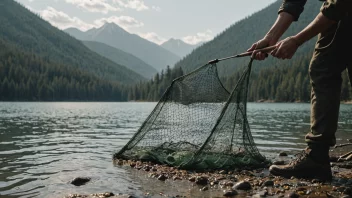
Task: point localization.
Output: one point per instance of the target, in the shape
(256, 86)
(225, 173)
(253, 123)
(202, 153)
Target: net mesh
(198, 124)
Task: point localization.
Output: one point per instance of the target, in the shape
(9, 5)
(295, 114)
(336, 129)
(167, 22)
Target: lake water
(45, 145)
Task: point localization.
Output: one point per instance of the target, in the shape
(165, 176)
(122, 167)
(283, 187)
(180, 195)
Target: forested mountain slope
(26, 76)
(29, 33)
(242, 34)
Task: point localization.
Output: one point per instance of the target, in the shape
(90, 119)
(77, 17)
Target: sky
(192, 21)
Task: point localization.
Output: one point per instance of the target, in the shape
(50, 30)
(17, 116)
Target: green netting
(198, 124)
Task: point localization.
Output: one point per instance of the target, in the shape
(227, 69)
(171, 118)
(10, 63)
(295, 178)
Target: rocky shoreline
(160, 181)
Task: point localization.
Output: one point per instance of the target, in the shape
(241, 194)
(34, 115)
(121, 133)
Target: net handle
(265, 50)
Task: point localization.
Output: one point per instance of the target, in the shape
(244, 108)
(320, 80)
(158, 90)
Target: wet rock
(340, 189)
(223, 172)
(279, 163)
(268, 183)
(192, 179)
(133, 165)
(263, 193)
(79, 181)
(176, 178)
(229, 183)
(162, 177)
(342, 181)
(201, 180)
(347, 191)
(293, 195)
(119, 162)
(230, 193)
(283, 154)
(302, 184)
(220, 178)
(242, 185)
(205, 188)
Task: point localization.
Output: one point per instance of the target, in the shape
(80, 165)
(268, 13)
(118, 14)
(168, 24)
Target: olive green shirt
(332, 9)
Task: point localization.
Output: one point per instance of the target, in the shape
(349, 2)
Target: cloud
(156, 8)
(94, 5)
(153, 37)
(199, 37)
(62, 20)
(132, 4)
(125, 22)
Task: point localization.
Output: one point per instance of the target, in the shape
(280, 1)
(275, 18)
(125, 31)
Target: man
(331, 57)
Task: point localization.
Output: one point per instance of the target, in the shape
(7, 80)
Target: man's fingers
(252, 47)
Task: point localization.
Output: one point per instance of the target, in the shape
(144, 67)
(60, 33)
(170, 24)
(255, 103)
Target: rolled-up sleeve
(336, 9)
(293, 7)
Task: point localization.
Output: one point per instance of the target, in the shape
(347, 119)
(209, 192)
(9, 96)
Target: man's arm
(293, 7)
(286, 48)
(289, 11)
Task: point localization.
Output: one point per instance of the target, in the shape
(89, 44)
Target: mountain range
(179, 47)
(115, 36)
(122, 58)
(41, 62)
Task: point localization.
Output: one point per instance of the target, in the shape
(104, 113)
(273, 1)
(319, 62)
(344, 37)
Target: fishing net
(199, 125)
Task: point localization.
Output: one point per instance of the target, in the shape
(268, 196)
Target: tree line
(27, 77)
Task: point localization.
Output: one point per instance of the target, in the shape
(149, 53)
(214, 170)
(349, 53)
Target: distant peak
(111, 26)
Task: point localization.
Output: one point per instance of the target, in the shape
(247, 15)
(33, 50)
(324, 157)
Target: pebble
(268, 183)
(223, 172)
(279, 163)
(119, 162)
(230, 193)
(162, 178)
(79, 181)
(205, 188)
(293, 195)
(282, 154)
(242, 185)
(347, 191)
(263, 193)
(201, 180)
(192, 179)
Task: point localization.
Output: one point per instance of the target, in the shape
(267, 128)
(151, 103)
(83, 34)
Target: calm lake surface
(45, 145)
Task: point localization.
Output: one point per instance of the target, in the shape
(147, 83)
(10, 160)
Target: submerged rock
(79, 181)
(242, 185)
(283, 154)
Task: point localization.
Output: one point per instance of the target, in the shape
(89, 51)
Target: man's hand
(285, 49)
(283, 21)
(265, 42)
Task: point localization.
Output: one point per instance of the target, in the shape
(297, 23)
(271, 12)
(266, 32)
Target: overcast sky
(157, 20)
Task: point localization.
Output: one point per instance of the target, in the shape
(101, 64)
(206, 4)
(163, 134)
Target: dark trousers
(332, 55)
